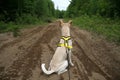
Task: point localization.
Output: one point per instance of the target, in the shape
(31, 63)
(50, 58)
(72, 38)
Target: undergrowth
(100, 26)
(25, 21)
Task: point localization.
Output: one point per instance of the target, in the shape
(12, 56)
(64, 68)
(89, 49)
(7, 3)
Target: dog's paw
(60, 72)
(71, 64)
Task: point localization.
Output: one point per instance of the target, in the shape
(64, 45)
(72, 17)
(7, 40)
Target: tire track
(38, 45)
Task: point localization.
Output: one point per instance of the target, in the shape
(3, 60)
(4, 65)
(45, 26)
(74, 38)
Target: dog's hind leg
(62, 67)
(71, 63)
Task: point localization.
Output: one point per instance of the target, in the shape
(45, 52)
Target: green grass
(100, 26)
(25, 21)
(15, 27)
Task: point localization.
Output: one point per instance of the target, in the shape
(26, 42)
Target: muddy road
(93, 57)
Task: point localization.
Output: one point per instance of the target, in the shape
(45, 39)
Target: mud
(94, 58)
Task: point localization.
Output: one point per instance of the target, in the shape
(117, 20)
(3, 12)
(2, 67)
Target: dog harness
(65, 44)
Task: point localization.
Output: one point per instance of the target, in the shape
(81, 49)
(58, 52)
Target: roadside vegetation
(17, 14)
(102, 17)
(106, 27)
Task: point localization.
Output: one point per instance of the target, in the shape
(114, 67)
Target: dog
(59, 62)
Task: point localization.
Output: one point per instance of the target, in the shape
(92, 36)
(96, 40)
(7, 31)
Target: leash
(68, 62)
(68, 47)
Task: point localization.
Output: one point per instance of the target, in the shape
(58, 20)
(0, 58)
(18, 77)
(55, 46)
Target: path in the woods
(93, 57)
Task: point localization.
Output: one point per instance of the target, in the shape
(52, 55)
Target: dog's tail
(45, 71)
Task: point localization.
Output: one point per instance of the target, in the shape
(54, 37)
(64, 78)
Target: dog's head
(68, 24)
(65, 27)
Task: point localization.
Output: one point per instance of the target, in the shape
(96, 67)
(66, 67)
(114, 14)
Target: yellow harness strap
(66, 38)
(65, 44)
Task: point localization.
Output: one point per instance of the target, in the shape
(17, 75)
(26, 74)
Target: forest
(104, 8)
(88, 14)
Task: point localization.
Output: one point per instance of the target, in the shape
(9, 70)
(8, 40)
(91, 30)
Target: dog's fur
(59, 61)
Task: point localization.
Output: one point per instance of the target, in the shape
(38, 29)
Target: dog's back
(59, 56)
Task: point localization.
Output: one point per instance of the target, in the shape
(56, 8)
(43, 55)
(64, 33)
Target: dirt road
(21, 57)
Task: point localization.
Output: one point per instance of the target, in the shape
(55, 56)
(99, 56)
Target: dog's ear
(70, 21)
(61, 21)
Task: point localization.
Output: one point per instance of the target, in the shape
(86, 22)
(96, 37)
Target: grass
(25, 21)
(100, 26)
(15, 27)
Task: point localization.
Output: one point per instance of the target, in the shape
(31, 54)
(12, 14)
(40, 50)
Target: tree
(105, 8)
(11, 9)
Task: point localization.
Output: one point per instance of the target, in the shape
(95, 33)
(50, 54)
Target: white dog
(59, 61)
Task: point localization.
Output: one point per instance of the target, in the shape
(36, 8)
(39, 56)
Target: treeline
(102, 17)
(18, 10)
(17, 14)
(27, 11)
(105, 8)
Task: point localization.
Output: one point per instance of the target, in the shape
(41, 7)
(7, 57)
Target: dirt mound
(93, 58)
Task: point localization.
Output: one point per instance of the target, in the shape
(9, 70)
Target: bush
(6, 27)
(3, 27)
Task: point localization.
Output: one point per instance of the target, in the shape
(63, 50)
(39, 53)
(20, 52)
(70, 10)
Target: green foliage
(105, 8)
(51, 10)
(99, 16)
(16, 13)
(3, 26)
(101, 26)
(59, 14)
(9, 27)
(13, 9)
(6, 27)
(16, 31)
(27, 19)
(41, 10)
(44, 8)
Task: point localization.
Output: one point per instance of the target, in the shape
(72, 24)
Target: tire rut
(37, 46)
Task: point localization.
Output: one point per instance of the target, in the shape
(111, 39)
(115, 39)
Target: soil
(94, 58)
